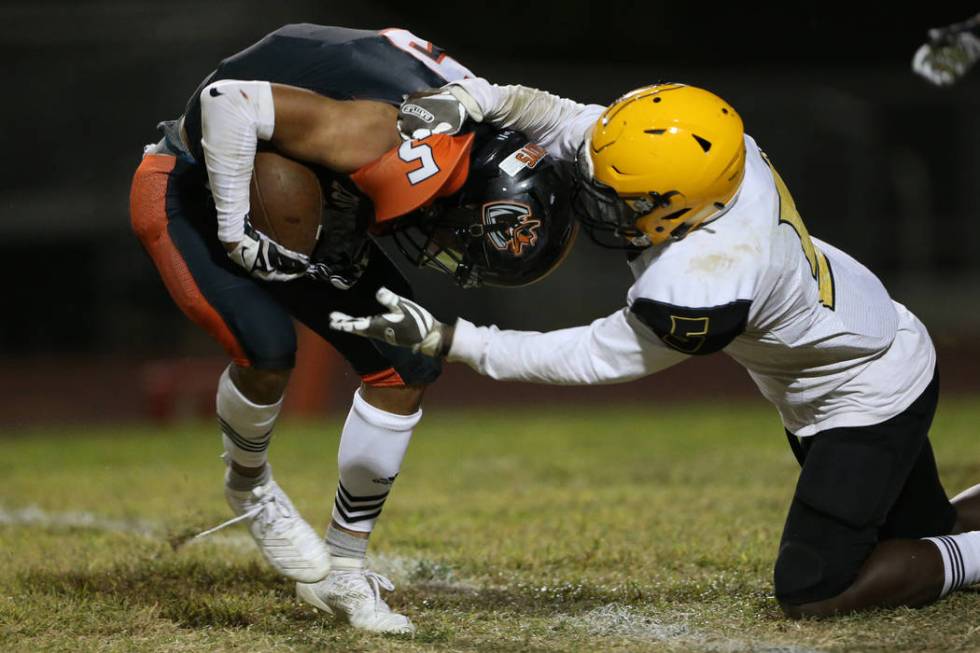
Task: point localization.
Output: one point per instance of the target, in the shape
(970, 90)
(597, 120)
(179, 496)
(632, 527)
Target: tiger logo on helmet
(521, 227)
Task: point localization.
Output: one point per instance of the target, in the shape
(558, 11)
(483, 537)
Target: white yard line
(615, 620)
(611, 620)
(400, 569)
(34, 516)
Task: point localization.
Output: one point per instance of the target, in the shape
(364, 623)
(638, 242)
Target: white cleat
(285, 539)
(355, 594)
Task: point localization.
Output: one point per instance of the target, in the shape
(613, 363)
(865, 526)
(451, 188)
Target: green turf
(613, 529)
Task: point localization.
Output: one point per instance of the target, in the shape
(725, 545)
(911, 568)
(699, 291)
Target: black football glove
(340, 278)
(265, 259)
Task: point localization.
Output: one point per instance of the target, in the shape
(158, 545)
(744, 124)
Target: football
(286, 201)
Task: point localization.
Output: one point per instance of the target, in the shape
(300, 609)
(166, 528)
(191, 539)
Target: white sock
(372, 446)
(246, 427)
(961, 559)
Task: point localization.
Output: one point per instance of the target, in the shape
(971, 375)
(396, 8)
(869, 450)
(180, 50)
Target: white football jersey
(815, 329)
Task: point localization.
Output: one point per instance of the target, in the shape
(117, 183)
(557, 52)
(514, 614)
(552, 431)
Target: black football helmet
(509, 225)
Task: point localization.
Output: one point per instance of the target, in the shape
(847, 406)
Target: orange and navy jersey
(415, 174)
(335, 62)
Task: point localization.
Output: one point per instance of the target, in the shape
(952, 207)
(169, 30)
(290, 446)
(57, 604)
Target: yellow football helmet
(659, 162)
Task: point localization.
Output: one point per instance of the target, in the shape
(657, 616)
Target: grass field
(612, 529)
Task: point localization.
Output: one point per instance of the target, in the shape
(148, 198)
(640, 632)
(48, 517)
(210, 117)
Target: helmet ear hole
(703, 142)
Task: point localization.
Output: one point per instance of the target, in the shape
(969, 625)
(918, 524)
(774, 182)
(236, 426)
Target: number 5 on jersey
(410, 151)
(819, 265)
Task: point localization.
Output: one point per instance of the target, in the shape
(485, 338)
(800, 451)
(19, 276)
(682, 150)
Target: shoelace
(377, 582)
(352, 582)
(265, 509)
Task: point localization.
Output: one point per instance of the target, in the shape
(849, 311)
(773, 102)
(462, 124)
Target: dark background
(880, 163)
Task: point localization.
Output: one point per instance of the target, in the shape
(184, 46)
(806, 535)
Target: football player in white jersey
(723, 262)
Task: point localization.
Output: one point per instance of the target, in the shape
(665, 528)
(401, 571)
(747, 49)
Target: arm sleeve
(234, 116)
(610, 350)
(557, 124)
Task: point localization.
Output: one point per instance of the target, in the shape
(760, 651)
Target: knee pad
(799, 571)
(806, 574)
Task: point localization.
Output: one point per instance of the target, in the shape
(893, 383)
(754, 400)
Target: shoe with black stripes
(285, 539)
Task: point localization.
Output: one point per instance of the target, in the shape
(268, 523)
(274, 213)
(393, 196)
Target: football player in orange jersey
(484, 207)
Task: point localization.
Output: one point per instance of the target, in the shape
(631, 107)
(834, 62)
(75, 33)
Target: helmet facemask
(612, 220)
(510, 225)
(445, 239)
(608, 219)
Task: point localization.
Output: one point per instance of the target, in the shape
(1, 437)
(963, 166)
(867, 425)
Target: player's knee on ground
(802, 577)
(819, 558)
(799, 569)
(852, 481)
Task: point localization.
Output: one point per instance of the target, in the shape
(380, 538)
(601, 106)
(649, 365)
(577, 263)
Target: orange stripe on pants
(148, 214)
(388, 378)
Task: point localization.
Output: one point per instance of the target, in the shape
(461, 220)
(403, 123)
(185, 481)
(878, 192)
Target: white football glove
(406, 324)
(437, 111)
(943, 61)
(265, 259)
